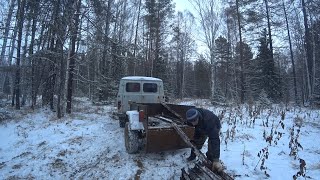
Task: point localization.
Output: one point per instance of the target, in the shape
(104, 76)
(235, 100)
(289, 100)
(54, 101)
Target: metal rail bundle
(201, 170)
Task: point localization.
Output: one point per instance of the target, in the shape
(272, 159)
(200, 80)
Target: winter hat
(192, 114)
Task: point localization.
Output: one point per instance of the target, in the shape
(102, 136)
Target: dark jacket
(209, 125)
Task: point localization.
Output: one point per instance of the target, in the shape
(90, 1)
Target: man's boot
(192, 156)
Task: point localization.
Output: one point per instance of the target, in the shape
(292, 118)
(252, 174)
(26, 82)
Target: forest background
(232, 52)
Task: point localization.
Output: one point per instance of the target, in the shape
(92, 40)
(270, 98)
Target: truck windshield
(133, 87)
(150, 87)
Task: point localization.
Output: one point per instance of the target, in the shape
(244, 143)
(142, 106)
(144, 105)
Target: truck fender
(134, 122)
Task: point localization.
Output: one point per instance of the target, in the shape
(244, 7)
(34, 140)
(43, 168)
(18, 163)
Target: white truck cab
(137, 89)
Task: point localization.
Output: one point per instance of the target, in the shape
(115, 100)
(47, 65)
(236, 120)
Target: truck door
(150, 92)
(133, 93)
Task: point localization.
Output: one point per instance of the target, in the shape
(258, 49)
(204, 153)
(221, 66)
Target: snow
(89, 144)
(141, 78)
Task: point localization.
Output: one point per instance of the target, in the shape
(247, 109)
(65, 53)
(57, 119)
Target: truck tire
(122, 122)
(131, 139)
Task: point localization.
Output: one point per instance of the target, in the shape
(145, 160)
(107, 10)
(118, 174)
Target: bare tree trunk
(232, 31)
(229, 53)
(4, 43)
(276, 93)
(35, 10)
(72, 55)
(313, 58)
(41, 39)
(135, 40)
(21, 5)
(13, 44)
(61, 83)
(269, 30)
(308, 54)
(180, 57)
(59, 46)
(241, 56)
(106, 60)
(6, 32)
(291, 55)
(25, 86)
(213, 75)
(150, 51)
(313, 85)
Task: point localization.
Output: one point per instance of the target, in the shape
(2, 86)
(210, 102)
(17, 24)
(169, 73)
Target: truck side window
(133, 87)
(150, 87)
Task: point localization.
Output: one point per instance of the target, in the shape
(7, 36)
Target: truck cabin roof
(141, 78)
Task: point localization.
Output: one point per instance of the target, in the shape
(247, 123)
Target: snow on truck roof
(141, 78)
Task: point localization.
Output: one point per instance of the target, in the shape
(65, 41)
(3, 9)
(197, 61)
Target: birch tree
(184, 47)
(210, 20)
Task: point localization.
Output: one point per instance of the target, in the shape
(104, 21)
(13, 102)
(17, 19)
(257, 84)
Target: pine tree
(158, 14)
(245, 69)
(202, 78)
(223, 58)
(266, 70)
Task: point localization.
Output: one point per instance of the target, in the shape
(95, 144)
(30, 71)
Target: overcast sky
(181, 5)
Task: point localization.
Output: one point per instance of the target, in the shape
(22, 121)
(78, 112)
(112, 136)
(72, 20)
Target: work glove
(216, 166)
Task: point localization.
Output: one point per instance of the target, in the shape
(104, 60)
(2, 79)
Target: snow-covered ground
(89, 144)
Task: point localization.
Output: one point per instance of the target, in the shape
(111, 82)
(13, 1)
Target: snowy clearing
(89, 144)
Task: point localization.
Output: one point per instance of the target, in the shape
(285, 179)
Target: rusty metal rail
(186, 139)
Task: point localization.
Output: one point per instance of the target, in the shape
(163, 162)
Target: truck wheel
(122, 121)
(131, 140)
